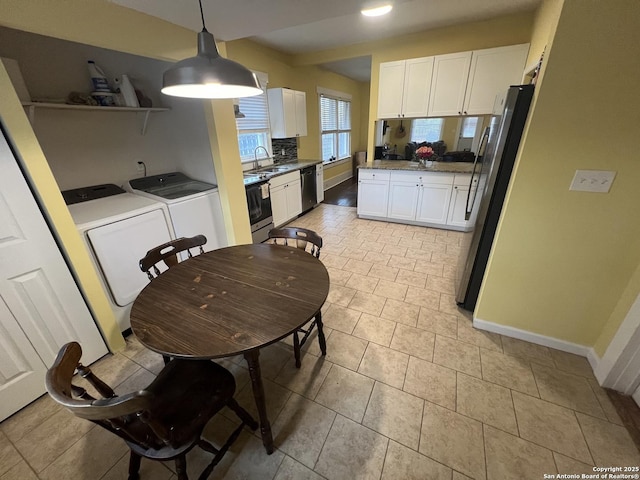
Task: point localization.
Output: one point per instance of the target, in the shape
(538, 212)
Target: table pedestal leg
(258, 394)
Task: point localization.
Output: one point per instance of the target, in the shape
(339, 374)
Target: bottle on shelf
(125, 88)
(98, 78)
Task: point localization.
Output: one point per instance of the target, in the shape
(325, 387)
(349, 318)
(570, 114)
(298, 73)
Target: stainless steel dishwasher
(308, 186)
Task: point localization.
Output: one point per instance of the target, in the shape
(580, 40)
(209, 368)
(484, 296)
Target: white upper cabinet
(449, 83)
(492, 71)
(404, 88)
(287, 112)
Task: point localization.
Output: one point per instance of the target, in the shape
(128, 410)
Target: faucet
(255, 156)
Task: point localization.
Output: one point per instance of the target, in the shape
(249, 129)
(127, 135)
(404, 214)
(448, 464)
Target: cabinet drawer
(462, 179)
(366, 174)
(405, 176)
(284, 179)
(438, 178)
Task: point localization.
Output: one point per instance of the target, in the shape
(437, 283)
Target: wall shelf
(32, 106)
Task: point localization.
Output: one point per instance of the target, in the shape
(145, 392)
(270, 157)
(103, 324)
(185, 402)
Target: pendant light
(208, 75)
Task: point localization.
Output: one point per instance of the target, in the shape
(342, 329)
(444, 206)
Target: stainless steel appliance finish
(496, 166)
(308, 186)
(260, 213)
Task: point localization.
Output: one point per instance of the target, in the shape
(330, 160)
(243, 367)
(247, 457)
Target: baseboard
(538, 339)
(338, 179)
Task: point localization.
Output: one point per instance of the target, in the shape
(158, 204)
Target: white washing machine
(194, 206)
(118, 229)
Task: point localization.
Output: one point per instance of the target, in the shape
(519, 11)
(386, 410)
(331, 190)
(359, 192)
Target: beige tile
(401, 312)
(354, 253)
(448, 304)
(434, 247)
(375, 329)
(426, 237)
(332, 260)
(9, 456)
(377, 258)
(441, 284)
(346, 392)
(51, 438)
(550, 426)
(487, 402)
(307, 379)
(343, 349)
(413, 279)
(341, 318)
(100, 450)
(301, 429)
(373, 247)
(272, 359)
(401, 262)
(569, 466)
(148, 469)
(406, 464)
(530, 351)
(445, 258)
(16, 426)
(367, 303)
(362, 283)
(457, 355)
(432, 382)
(113, 369)
(328, 249)
(460, 476)
(389, 289)
(413, 341)
(568, 362)
(290, 469)
(19, 471)
(611, 445)
(357, 266)
(416, 252)
(138, 381)
(608, 407)
(383, 272)
(144, 357)
(275, 398)
(351, 452)
(393, 413)
(337, 276)
(410, 243)
(423, 298)
(340, 295)
(567, 390)
(449, 271)
(384, 364)
(438, 322)
(508, 371)
(511, 457)
(395, 250)
(453, 439)
(468, 334)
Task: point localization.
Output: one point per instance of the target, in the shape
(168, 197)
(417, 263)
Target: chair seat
(187, 394)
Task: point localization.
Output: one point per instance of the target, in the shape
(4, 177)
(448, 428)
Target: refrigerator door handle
(467, 210)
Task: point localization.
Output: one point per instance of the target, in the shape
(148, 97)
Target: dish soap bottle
(98, 78)
(128, 92)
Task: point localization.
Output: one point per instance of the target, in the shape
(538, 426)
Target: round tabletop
(229, 301)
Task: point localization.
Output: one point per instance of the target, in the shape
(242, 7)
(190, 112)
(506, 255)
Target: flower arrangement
(424, 153)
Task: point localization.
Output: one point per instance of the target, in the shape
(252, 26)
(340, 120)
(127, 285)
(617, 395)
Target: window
(335, 124)
(426, 129)
(253, 127)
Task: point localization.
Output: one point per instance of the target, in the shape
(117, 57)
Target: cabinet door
(417, 86)
(492, 72)
(320, 183)
(300, 101)
(390, 88)
(289, 112)
(294, 199)
(450, 73)
(279, 205)
(373, 197)
(433, 203)
(403, 200)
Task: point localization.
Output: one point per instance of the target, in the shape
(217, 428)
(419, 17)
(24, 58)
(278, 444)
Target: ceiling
(302, 26)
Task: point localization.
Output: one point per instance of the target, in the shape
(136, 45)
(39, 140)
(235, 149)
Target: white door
(403, 200)
(449, 82)
(417, 87)
(279, 205)
(373, 197)
(390, 89)
(294, 199)
(433, 203)
(41, 307)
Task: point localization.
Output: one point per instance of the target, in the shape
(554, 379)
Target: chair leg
(296, 348)
(245, 416)
(321, 339)
(166, 359)
(134, 466)
(181, 467)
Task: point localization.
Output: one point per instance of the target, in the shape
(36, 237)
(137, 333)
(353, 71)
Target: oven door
(260, 214)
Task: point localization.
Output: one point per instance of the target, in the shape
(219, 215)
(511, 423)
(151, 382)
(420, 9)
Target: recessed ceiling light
(377, 11)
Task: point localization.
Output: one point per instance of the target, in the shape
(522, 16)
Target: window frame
(441, 119)
(338, 132)
(266, 141)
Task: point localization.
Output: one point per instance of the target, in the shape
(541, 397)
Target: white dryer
(118, 229)
(194, 206)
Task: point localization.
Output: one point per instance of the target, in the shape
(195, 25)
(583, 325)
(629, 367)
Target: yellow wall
(544, 25)
(333, 171)
(565, 263)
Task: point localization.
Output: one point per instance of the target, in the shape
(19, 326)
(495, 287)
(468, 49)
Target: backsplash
(288, 145)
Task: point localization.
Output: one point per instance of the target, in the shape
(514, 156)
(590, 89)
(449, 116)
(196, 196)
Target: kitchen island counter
(445, 167)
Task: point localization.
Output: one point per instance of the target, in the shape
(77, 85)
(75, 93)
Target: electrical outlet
(139, 166)
(592, 181)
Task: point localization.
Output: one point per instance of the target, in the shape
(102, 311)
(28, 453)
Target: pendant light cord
(204, 29)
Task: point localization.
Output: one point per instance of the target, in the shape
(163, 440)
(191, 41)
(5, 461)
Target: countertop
(446, 167)
(260, 174)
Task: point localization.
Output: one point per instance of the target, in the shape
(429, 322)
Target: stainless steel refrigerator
(493, 167)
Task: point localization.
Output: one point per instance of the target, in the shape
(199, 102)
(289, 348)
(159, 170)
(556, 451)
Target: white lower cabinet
(373, 193)
(286, 197)
(404, 188)
(459, 202)
(433, 203)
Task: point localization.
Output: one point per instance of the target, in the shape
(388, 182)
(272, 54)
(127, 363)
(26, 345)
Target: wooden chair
(310, 242)
(167, 254)
(162, 422)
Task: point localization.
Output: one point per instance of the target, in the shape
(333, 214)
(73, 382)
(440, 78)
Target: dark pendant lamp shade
(208, 75)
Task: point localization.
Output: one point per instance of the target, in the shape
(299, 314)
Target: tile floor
(408, 389)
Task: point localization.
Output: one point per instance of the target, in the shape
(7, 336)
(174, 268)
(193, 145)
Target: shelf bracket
(144, 122)
(31, 113)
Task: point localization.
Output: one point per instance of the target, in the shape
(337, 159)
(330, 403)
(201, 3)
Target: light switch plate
(592, 181)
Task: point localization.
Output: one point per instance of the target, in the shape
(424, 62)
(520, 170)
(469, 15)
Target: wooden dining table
(232, 301)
